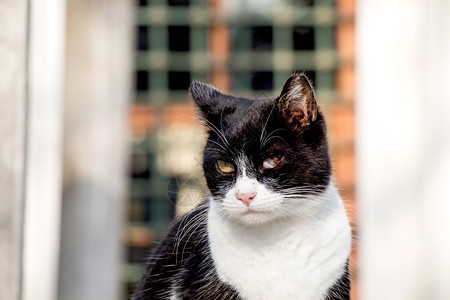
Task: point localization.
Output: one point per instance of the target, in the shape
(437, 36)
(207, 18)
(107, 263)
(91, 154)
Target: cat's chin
(255, 219)
(250, 217)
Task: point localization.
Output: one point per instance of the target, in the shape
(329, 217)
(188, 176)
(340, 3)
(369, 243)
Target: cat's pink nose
(246, 198)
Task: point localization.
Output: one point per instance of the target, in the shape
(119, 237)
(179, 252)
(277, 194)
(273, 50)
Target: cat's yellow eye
(225, 166)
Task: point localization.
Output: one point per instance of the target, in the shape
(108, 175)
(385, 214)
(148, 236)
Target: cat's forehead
(247, 107)
(249, 112)
(248, 119)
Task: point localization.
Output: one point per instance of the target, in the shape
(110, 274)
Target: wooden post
(403, 148)
(13, 51)
(44, 150)
(98, 89)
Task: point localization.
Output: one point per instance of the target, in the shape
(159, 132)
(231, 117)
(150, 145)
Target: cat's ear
(297, 103)
(210, 100)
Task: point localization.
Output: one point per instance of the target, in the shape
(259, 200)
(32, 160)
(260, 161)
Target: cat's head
(264, 158)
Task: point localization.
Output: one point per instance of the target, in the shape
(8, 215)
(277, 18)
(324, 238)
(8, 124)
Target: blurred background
(101, 148)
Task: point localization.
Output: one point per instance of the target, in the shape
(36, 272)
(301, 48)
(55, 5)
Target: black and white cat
(273, 225)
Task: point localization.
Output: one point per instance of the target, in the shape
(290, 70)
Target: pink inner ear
(296, 106)
(298, 109)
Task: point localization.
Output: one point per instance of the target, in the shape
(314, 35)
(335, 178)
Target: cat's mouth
(252, 216)
(252, 211)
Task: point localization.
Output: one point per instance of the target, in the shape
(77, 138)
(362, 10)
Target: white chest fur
(299, 258)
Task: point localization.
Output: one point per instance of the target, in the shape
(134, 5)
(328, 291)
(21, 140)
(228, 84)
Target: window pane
(262, 81)
(179, 80)
(142, 80)
(303, 37)
(178, 2)
(142, 38)
(178, 38)
(262, 38)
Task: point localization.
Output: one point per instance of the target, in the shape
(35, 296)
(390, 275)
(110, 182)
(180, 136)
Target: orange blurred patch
(141, 119)
(184, 113)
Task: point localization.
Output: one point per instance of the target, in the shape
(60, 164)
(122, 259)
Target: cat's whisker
(264, 127)
(219, 133)
(221, 120)
(200, 222)
(222, 148)
(275, 137)
(185, 229)
(270, 136)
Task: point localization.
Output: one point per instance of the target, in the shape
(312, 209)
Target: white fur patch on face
(245, 184)
(261, 209)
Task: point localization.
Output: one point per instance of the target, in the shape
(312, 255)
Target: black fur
(290, 126)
